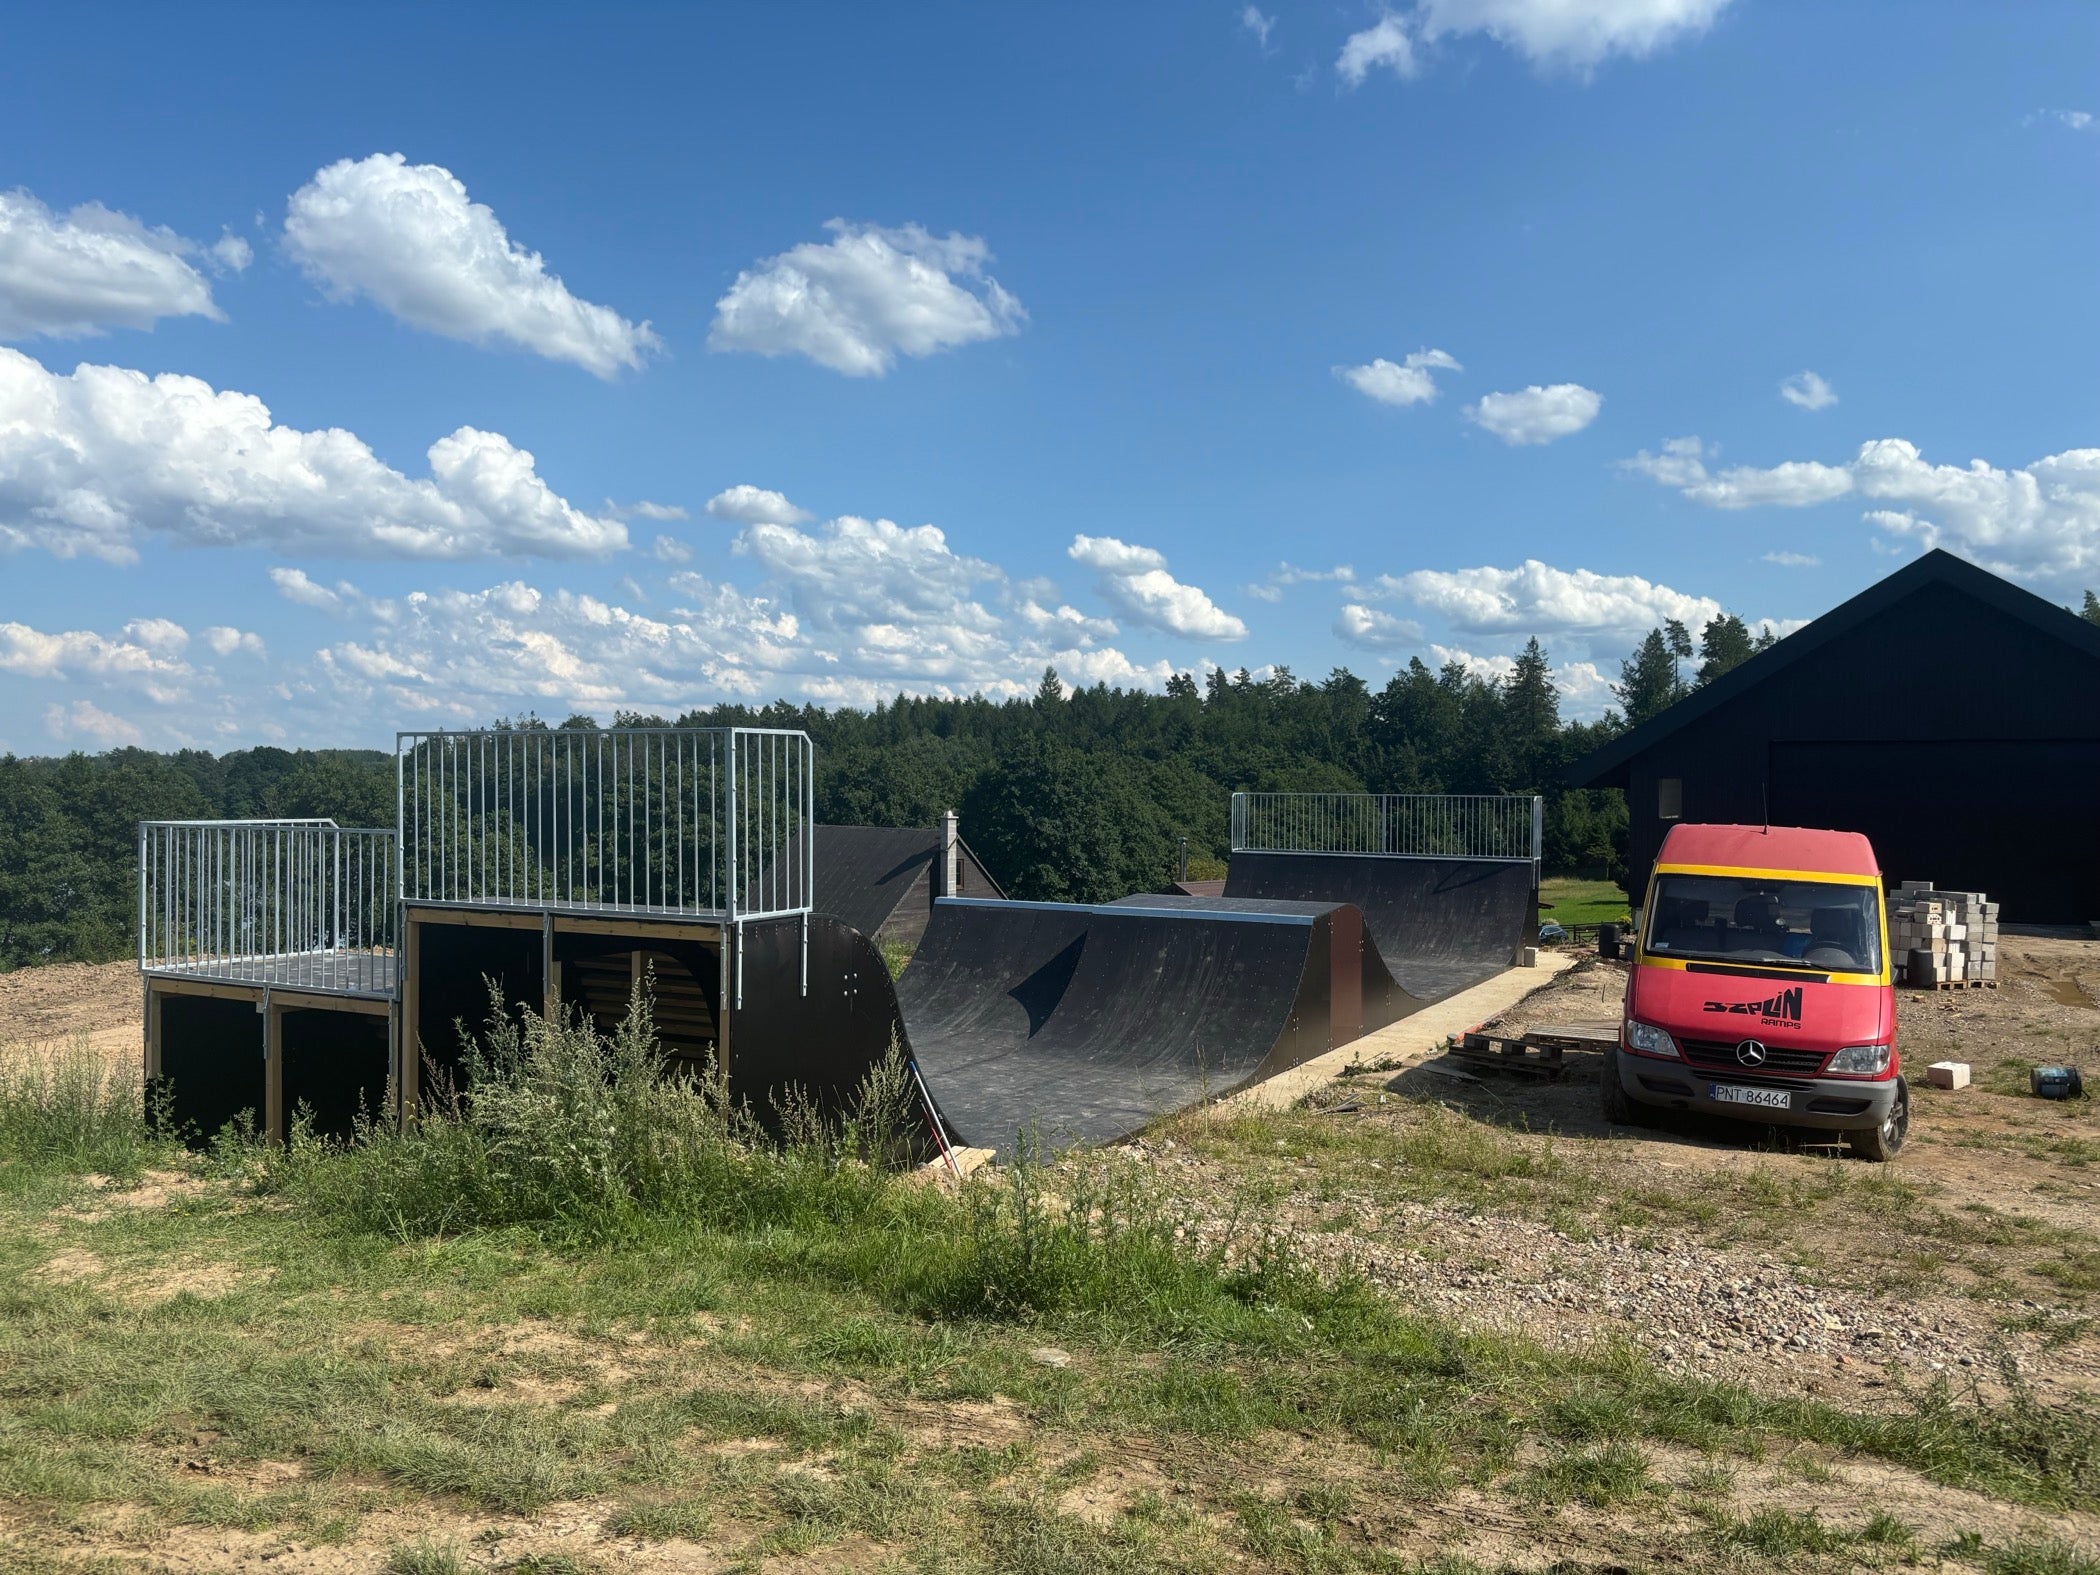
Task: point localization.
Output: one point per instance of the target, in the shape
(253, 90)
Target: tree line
(1081, 794)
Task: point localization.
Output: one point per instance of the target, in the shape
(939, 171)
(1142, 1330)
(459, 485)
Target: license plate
(1768, 1098)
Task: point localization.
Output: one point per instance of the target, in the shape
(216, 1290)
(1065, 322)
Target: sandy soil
(68, 998)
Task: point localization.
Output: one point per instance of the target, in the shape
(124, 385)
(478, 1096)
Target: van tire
(1883, 1143)
(1620, 1109)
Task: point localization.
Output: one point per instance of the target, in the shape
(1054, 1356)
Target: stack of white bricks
(1942, 937)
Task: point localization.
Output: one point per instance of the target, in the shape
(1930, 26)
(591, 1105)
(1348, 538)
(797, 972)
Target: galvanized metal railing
(1506, 826)
(683, 821)
(296, 904)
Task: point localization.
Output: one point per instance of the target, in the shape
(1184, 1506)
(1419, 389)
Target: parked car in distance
(1549, 933)
(1761, 990)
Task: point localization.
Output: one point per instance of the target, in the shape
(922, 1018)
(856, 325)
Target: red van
(1761, 988)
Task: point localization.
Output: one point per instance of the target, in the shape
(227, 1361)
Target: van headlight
(1860, 1060)
(1649, 1040)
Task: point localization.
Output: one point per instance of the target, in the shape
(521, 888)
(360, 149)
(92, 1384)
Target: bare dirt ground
(38, 1004)
(1721, 1248)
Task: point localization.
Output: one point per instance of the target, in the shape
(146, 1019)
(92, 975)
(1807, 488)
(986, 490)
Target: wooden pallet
(1540, 1053)
(1955, 984)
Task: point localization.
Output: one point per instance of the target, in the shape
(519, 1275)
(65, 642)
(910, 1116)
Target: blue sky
(862, 349)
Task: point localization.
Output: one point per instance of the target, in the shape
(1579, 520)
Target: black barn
(1951, 716)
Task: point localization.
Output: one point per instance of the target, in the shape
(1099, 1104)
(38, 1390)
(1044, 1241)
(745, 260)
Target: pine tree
(1723, 643)
(1531, 718)
(2091, 611)
(1648, 682)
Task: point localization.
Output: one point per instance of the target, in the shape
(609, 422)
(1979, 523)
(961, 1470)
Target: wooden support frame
(408, 1044)
(273, 1069)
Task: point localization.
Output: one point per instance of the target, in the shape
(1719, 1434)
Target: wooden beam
(152, 1030)
(478, 918)
(221, 989)
(273, 1071)
(640, 929)
(408, 1051)
(318, 1001)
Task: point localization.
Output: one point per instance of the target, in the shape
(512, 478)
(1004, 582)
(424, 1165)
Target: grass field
(590, 1325)
(1567, 901)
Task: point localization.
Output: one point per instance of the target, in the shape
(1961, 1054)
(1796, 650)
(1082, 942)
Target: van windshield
(1752, 919)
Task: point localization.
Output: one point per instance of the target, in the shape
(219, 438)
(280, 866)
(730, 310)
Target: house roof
(864, 872)
(1607, 766)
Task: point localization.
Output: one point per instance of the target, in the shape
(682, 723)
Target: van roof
(1771, 848)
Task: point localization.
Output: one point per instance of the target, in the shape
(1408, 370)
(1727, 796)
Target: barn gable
(1950, 715)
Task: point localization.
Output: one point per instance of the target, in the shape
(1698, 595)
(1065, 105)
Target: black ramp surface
(821, 1040)
(1384, 1001)
(1084, 1024)
(1440, 924)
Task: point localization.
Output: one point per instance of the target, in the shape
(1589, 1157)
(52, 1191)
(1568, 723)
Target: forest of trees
(1079, 797)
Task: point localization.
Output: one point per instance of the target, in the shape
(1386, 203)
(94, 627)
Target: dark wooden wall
(1964, 742)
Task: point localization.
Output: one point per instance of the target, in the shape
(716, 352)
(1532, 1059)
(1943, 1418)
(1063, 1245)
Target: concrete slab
(1414, 1038)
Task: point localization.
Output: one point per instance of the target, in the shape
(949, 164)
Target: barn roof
(1608, 766)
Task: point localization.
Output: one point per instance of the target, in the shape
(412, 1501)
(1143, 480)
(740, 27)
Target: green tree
(1648, 683)
(1724, 643)
(1056, 824)
(1530, 720)
(2090, 612)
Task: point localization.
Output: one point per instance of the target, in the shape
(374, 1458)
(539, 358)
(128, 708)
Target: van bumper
(1832, 1104)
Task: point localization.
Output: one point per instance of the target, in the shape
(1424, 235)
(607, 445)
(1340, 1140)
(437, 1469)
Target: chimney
(951, 856)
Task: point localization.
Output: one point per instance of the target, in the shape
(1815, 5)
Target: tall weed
(578, 1136)
(69, 1106)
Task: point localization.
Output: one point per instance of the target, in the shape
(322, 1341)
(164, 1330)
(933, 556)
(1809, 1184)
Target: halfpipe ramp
(1087, 1023)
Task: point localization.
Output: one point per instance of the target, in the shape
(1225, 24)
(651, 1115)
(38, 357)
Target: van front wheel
(1883, 1143)
(1619, 1108)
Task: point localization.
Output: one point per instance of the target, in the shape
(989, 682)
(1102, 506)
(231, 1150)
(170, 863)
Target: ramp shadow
(1039, 994)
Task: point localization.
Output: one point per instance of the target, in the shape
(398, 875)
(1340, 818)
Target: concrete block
(1528, 957)
(1948, 1074)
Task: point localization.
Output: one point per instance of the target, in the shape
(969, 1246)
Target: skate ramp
(1084, 1024)
(1441, 924)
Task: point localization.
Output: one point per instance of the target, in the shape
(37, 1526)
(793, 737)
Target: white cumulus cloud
(1794, 484)
(1571, 35)
(1134, 580)
(748, 505)
(1384, 43)
(1537, 414)
(1374, 629)
(408, 237)
(225, 640)
(1537, 598)
(1574, 36)
(2040, 521)
(1793, 560)
(94, 460)
(1808, 390)
(91, 270)
(1407, 382)
(84, 720)
(858, 301)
